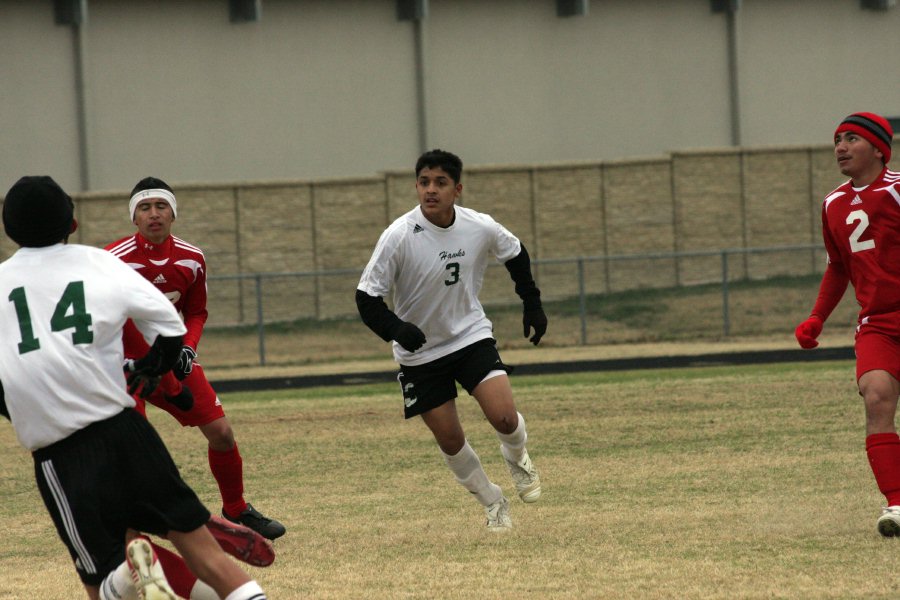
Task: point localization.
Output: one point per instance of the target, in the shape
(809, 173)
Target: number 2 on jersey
(78, 319)
(862, 219)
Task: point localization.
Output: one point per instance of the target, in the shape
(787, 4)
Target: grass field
(746, 482)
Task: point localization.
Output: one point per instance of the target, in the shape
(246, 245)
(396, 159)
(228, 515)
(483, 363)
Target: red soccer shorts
(207, 407)
(878, 344)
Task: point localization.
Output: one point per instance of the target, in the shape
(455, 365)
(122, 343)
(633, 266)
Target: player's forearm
(194, 325)
(376, 315)
(162, 355)
(519, 268)
(194, 313)
(831, 290)
(3, 410)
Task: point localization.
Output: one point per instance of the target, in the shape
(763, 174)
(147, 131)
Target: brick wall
(687, 201)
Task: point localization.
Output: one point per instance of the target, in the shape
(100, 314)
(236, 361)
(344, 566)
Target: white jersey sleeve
(61, 362)
(378, 277)
(506, 245)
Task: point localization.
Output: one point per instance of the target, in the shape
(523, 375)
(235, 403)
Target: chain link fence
(305, 317)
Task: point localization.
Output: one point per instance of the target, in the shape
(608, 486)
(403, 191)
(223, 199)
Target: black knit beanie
(37, 212)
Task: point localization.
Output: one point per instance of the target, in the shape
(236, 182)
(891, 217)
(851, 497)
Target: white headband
(154, 193)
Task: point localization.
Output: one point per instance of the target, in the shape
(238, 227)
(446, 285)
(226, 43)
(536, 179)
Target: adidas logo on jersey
(418, 228)
(159, 280)
(856, 200)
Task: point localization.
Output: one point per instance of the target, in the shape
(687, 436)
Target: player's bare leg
(209, 563)
(443, 421)
(880, 391)
(495, 397)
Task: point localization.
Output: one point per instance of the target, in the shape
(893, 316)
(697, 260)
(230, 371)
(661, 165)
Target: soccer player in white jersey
(100, 466)
(861, 230)
(432, 260)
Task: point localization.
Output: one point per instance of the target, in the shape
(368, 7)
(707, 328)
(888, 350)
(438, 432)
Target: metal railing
(260, 299)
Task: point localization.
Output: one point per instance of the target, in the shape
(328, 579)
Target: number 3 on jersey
(454, 273)
(862, 220)
(79, 319)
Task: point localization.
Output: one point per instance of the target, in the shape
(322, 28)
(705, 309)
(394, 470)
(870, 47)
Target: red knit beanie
(871, 127)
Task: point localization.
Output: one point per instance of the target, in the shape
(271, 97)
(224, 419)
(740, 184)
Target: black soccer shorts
(105, 478)
(428, 386)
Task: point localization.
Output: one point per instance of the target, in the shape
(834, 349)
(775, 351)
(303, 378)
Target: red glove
(808, 331)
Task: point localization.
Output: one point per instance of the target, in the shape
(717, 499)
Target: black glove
(534, 318)
(183, 401)
(185, 362)
(141, 376)
(3, 410)
(409, 336)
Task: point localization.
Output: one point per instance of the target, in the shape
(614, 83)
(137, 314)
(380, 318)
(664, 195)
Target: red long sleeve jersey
(177, 269)
(861, 228)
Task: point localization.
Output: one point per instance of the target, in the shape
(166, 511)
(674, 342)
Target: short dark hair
(151, 183)
(449, 162)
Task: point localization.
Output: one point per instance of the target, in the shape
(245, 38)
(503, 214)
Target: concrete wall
(328, 88)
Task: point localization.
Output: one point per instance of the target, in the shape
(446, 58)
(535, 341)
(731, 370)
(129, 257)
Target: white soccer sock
(512, 445)
(118, 585)
(248, 591)
(202, 591)
(466, 466)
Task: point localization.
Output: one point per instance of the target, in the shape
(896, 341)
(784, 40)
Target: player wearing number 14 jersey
(100, 467)
(861, 229)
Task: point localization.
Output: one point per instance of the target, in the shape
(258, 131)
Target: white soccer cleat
(498, 515)
(146, 572)
(889, 521)
(528, 482)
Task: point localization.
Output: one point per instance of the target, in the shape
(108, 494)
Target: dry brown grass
(698, 483)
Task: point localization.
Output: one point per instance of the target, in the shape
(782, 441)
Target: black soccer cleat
(264, 526)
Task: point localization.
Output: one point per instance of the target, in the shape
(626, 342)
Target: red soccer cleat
(241, 542)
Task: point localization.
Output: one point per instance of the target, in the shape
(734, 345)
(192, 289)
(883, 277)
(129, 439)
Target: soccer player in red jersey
(861, 228)
(178, 270)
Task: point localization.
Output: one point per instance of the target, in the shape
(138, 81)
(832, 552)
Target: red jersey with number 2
(861, 228)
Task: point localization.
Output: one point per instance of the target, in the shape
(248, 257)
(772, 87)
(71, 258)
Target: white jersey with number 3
(435, 275)
(63, 308)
